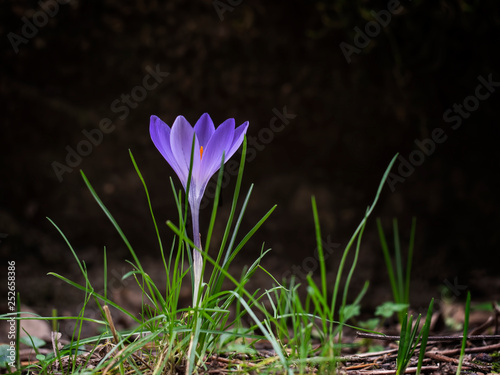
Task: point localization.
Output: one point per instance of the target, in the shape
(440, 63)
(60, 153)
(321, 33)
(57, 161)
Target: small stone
(483, 357)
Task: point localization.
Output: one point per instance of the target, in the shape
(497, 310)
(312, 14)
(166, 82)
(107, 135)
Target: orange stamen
(201, 152)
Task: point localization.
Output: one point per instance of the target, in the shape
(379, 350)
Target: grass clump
(305, 334)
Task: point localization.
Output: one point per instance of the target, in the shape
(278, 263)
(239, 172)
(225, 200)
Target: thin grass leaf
(249, 235)
(193, 346)
(215, 204)
(388, 262)
(101, 297)
(398, 261)
(216, 278)
(358, 229)
(409, 260)
(398, 275)
(148, 198)
(18, 330)
(268, 334)
(105, 266)
(80, 264)
(319, 243)
(320, 303)
(349, 277)
(425, 336)
(466, 329)
(236, 194)
(408, 343)
(229, 255)
(111, 218)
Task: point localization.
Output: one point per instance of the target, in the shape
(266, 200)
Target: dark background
(351, 119)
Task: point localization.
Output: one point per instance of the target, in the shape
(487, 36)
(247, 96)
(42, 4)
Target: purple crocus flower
(175, 144)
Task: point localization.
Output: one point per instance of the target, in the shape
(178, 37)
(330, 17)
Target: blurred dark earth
(332, 91)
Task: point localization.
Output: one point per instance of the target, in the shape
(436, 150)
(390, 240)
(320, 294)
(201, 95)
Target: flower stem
(197, 258)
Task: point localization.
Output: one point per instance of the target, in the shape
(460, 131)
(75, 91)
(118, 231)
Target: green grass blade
(319, 243)
(215, 204)
(464, 339)
(398, 261)
(105, 274)
(267, 333)
(358, 229)
(111, 218)
(409, 261)
(80, 264)
(351, 271)
(101, 297)
(425, 336)
(148, 198)
(216, 277)
(229, 251)
(236, 194)
(388, 262)
(402, 343)
(249, 235)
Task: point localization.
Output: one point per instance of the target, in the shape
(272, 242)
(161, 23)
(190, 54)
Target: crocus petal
(181, 141)
(160, 135)
(239, 134)
(220, 142)
(175, 144)
(204, 129)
